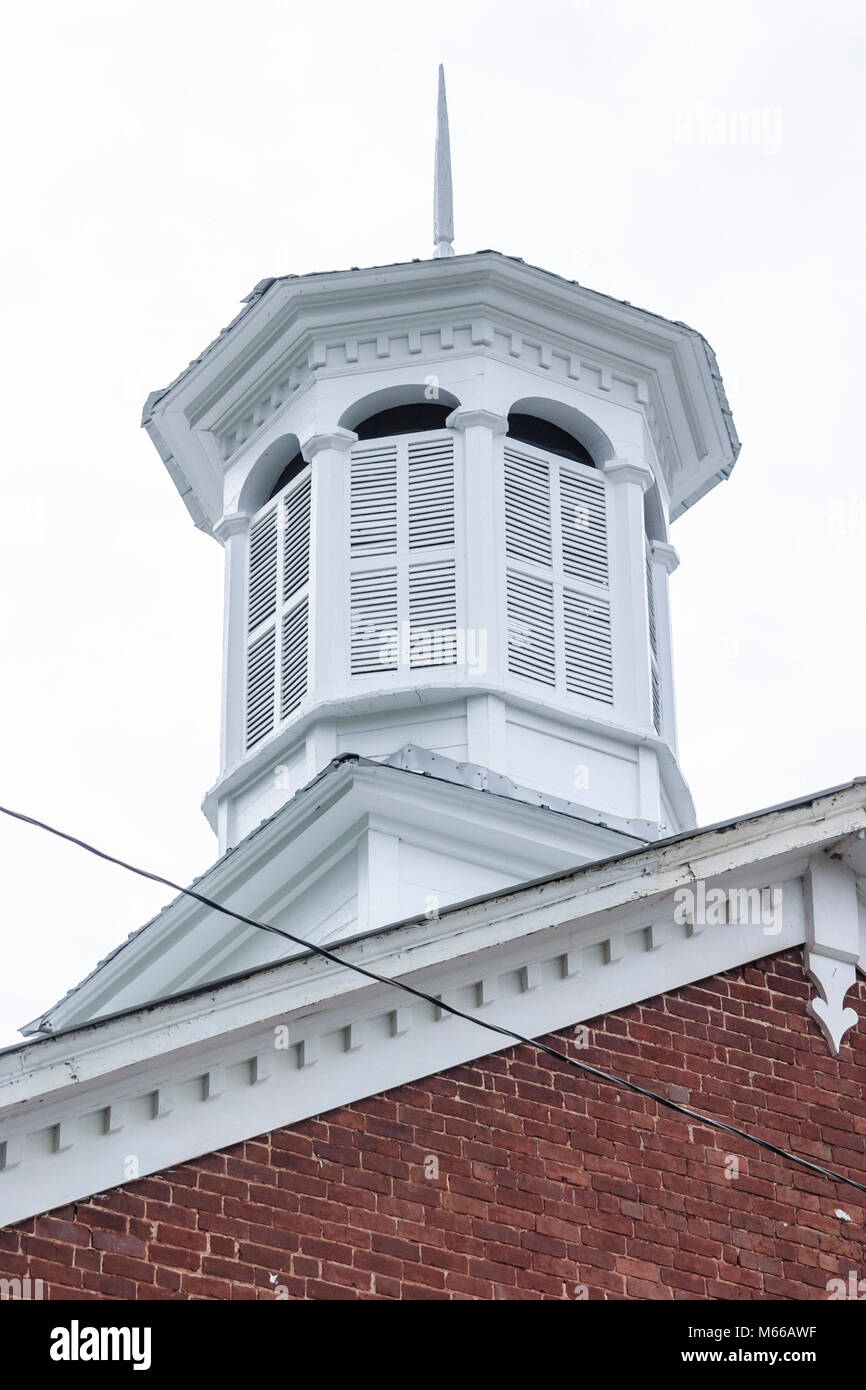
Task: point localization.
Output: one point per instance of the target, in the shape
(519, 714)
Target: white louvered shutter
(585, 605)
(432, 614)
(529, 539)
(261, 670)
(531, 641)
(294, 641)
(374, 623)
(559, 625)
(431, 493)
(374, 500)
(293, 673)
(527, 508)
(261, 611)
(430, 523)
(296, 539)
(588, 656)
(263, 570)
(583, 520)
(403, 614)
(278, 603)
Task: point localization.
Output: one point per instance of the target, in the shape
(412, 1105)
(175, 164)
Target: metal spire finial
(443, 201)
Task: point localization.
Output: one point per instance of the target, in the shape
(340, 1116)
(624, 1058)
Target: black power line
(440, 1003)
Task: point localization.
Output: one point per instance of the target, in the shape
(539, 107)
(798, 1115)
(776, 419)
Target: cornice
(183, 1076)
(300, 329)
(425, 338)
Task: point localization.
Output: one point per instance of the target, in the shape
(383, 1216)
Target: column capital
(232, 524)
(339, 439)
(664, 554)
(465, 418)
(630, 471)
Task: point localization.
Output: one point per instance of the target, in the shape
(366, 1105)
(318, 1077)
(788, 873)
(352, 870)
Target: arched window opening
(291, 470)
(271, 472)
(404, 419)
(529, 429)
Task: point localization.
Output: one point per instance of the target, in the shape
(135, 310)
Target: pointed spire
(443, 201)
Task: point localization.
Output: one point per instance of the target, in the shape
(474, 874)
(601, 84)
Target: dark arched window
(404, 419)
(528, 429)
(289, 472)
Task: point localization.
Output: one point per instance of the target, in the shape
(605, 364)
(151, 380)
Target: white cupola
(444, 489)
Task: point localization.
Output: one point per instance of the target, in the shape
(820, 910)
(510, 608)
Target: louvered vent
(559, 624)
(293, 673)
(374, 622)
(374, 500)
(403, 614)
(296, 539)
(263, 569)
(583, 517)
(277, 609)
(431, 493)
(527, 508)
(432, 614)
(531, 639)
(588, 657)
(261, 668)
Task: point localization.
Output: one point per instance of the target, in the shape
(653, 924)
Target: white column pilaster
(232, 531)
(629, 479)
(664, 561)
(484, 577)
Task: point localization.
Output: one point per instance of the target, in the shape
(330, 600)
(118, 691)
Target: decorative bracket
(832, 944)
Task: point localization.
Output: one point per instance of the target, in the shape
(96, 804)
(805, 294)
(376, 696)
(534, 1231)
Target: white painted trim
(184, 1076)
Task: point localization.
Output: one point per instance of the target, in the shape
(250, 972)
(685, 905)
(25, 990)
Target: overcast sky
(700, 158)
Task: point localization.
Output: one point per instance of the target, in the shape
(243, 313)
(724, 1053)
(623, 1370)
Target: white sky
(161, 158)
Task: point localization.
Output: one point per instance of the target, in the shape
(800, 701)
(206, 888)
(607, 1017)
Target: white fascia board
(781, 840)
(544, 957)
(339, 1052)
(189, 495)
(192, 469)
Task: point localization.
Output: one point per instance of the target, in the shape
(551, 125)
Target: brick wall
(547, 1180)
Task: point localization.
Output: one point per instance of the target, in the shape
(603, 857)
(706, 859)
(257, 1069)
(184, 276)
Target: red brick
(549, 1179)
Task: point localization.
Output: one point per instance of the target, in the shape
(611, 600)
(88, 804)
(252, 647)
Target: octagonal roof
(298, 315)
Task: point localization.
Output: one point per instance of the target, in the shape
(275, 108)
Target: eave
(294, 315)
(186, 1075)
